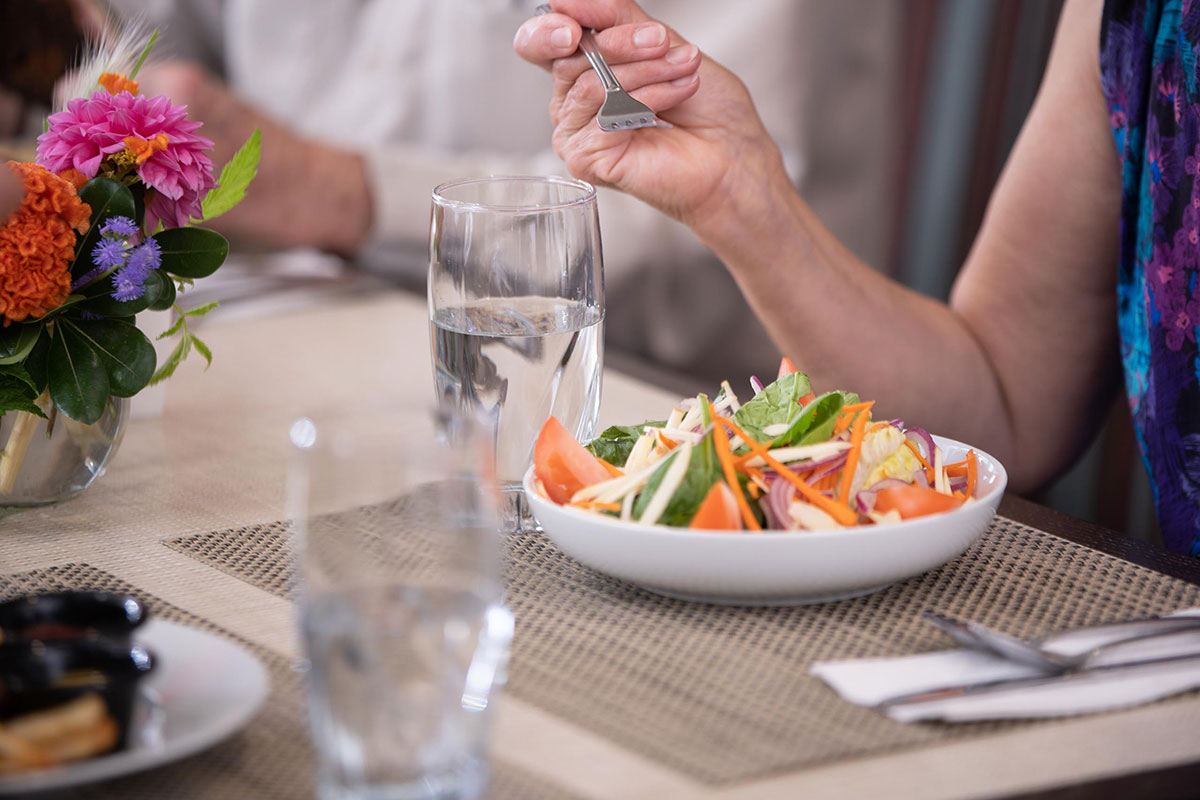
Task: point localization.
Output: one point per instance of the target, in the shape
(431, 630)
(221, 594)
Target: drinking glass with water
(516, 305)
(400, 602)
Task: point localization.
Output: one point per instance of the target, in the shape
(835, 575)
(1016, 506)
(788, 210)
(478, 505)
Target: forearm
(850, 327)
(306, 193)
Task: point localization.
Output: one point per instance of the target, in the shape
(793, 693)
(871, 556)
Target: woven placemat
(270, 758)
(723, 694)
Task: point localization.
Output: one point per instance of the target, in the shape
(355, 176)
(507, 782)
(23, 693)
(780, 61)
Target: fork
(1034, 654)
(620, 111)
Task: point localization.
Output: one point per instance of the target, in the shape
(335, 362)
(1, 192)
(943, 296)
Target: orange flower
(142, 149)
(115, 83)
(37, 243)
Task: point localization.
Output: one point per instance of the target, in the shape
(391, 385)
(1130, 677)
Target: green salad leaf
(703, 471)
(614, 444)
(774, 405)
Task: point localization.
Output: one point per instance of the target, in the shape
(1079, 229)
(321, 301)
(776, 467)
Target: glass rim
(588, 194)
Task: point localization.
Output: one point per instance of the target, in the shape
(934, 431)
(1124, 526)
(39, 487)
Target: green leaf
(145, 54)
(17, 340)
(192, 252)
(107, 198)
(203, 350)
(815, 423)
(235, 178)
(160, 289)
(174, 360)
(78, 381)
(614, 444)
(174, 329)
(775, 405)
(17, 391)
(126, 352)
(35, 362)
(702, 472)
(200, 311)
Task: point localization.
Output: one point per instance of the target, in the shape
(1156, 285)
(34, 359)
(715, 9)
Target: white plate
(209, 687)
(738, 568)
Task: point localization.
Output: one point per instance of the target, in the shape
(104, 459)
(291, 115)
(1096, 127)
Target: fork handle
(587, 43)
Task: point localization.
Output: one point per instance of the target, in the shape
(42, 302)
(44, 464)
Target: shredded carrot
(607, 506)
(616, 472)
(924, 463)
(725, 457)
(752, 488)
(972, 473)
(856, 439)
(667, 442)
(849, 413)
(840, 512)
(956, 470)
(827, 481)
(878, 426)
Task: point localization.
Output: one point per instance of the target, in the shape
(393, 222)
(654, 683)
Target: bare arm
(306, 194)
(1024, 355)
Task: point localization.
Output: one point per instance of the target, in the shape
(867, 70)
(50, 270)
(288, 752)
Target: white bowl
(772, 569)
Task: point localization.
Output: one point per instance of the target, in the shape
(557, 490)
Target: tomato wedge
(719, 510)
(563, 464)
(914, 501)
(786, 367)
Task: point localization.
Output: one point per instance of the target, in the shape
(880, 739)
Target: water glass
(516, 306)
(400, 602)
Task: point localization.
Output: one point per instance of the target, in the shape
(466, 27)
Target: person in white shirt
(366, 105)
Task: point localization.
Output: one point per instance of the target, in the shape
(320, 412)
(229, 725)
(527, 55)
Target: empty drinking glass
(400, 602)
(516, 306)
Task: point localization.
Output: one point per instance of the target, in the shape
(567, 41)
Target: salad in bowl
(784, 497)
(784, 460)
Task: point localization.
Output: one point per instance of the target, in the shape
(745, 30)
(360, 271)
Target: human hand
(717, 155)
(306, 193)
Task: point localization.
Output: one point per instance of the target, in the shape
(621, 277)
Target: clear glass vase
(43, 461)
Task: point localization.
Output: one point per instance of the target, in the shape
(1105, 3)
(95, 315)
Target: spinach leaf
(774, 405)
(702, 472)
(815, 423)
(614, 444)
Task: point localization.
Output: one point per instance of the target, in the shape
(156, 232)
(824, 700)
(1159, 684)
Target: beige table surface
(217, 459)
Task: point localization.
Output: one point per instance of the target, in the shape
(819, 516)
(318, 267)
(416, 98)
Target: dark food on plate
(68, 676)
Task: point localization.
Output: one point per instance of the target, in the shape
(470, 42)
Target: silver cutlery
(1009, 684)
(1033, 652)
(620, 111)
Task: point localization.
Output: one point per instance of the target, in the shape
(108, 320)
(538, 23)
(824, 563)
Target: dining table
(612, 691)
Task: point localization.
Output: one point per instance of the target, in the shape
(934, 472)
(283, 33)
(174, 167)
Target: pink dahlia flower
(93, 128)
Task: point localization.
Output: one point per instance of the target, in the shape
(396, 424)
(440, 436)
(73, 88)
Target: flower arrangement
(106, 231)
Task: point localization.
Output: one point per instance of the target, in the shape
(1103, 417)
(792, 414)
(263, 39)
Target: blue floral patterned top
(1151, 79)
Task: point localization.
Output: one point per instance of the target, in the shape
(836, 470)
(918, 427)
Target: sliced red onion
(779, 498)
(920, 478)
(828, 466)
(756, 384)
(958, 484)
(919, 436)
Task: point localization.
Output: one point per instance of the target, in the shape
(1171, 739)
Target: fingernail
(684, 81)
(681, 54)
(561, 37)
(650, 35)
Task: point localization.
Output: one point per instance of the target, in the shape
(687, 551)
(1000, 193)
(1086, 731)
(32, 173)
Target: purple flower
(119, 228)
(110, 253)
(129, 281)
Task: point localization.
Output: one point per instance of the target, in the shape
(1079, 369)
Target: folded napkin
(873, 681)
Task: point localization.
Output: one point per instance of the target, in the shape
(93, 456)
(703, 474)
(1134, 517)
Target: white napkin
(869, 682)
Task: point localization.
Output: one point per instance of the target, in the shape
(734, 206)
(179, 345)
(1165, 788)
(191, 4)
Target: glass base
(467, 783)
(515, 513)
